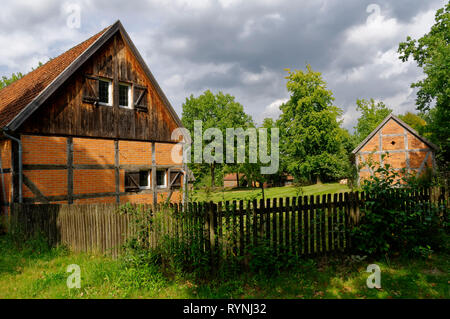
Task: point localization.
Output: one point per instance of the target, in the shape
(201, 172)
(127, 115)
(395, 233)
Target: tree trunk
(237, 179)
(213, 175)
(318, 180)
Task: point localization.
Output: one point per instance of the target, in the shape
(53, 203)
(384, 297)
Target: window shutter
(131, 181)
(90, 90)
(175, 178)
(140, 98)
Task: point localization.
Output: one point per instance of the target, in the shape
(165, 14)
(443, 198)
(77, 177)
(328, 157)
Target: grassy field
(274, 192)
(36, 272)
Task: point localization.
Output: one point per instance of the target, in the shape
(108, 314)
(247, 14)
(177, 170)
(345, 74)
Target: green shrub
(394, 219)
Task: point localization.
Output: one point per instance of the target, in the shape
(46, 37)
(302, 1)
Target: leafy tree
(215, 111)
(5, 81)
(372, 115)
(312, 144)
(252, 171)
(416, 121)
(432, 53)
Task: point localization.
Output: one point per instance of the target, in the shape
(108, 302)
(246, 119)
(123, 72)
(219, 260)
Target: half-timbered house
(91, 125)
(394, 142)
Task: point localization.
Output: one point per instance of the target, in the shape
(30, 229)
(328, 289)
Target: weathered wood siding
(65, 113)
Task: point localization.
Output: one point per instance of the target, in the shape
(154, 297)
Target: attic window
(125, 95)
(393, 142)
(105, 92)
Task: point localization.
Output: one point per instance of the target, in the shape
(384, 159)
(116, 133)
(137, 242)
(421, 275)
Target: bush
(394, 220)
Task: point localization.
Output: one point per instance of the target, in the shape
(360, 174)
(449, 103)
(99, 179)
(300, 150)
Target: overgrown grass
(34, 271)
(221, 194)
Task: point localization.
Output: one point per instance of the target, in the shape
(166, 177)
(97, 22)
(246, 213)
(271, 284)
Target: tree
(372, 115)
(312, 145)
(215, 111)
(416, 121)
(432, 53)
(5, 81)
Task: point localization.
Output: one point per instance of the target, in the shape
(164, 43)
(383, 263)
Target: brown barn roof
(23, 97)
(16, 96)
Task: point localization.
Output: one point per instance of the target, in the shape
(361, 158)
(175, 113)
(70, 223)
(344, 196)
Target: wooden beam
(35, 190)
(154, 172)
(70, 170)
(117, 169)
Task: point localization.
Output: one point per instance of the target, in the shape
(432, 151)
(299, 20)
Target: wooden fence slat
(303, 225)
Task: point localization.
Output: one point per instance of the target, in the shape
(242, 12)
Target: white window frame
(130, 97)
(110, 93)
(165, 178)
(149, 181)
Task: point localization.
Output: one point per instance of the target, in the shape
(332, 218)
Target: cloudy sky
(239, 47)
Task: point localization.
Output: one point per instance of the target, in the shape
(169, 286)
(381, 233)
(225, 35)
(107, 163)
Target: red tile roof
(16, 96)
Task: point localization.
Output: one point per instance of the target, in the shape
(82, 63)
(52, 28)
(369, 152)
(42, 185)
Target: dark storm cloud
(242, 48)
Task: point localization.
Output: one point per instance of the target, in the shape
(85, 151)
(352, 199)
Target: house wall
(402, 149)
(5, 153)
(66, 113)
(94, 171)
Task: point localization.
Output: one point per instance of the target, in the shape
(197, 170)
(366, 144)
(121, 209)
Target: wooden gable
(74, 112)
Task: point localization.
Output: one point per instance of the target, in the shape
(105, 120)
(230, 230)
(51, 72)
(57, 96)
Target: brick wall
(164, 154)
(137, 153)
(49, 182)
(93, 151)
(45, 150)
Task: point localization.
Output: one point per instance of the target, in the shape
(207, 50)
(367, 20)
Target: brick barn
(90, 126)
(406, 148)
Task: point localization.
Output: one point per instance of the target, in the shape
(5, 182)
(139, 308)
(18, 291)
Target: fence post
(212, 233)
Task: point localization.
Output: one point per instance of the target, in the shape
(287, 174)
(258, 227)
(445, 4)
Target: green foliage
(372, 114)
(432, 53)
(394, 219)
(215, 111)
(313, 143)
(5, 81)
(416, 121)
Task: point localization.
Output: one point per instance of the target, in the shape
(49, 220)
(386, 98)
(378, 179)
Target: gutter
(3, 182)
(19, 143)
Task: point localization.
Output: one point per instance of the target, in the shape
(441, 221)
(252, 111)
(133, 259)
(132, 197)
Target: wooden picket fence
(301, 226)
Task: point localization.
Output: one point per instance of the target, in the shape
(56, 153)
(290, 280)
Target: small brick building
(90, 126)
(403, 145)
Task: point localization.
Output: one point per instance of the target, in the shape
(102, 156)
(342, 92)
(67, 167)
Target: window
(161, 179)
(125, 95)
(175, 178)
(105, 92)
(135, 181)
(132, 181)
(144, 179)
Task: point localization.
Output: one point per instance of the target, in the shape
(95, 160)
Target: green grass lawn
(273, 192)
(35, 272)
